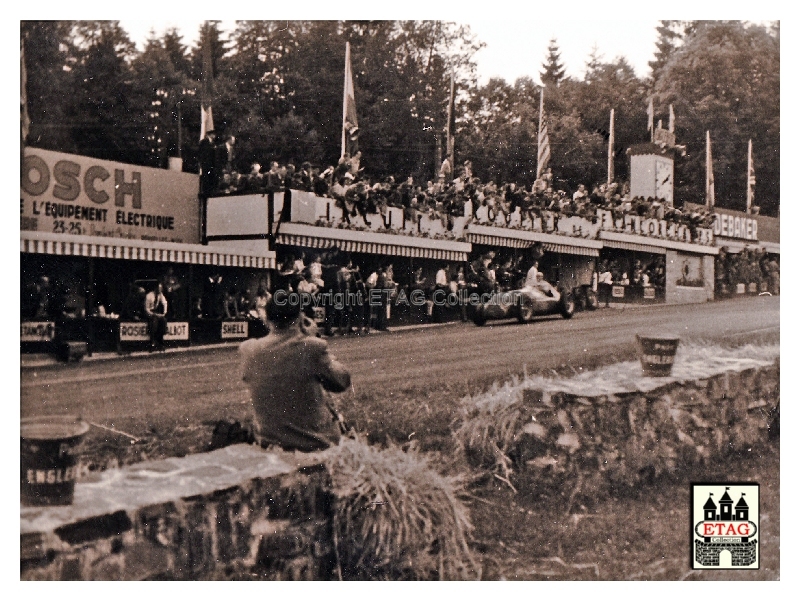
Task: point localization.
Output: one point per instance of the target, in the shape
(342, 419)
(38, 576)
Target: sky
(514, 47)
(516, 32)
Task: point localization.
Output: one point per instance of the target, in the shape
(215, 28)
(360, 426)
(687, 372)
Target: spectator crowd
(748, 267)
(453, 195)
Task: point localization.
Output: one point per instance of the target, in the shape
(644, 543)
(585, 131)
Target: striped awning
(641, 243)
(635, 247)
(124, 249)
(736, 246)
(771, 247)
(521, 238)
(567, 249)
(365, 242)
(496, 240)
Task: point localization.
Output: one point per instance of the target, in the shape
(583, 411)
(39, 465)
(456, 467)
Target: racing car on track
(524, 304)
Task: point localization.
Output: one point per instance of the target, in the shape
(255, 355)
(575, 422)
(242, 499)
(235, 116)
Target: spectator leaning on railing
(501, 205)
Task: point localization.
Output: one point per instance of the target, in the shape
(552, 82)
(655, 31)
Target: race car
(524, 304)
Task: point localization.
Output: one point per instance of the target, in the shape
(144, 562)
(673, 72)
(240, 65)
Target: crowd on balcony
(452, 195)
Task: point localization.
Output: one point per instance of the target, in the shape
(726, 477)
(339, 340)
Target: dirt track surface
(207, 385)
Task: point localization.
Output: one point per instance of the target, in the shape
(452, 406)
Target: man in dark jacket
(290, 374)
(207, 157)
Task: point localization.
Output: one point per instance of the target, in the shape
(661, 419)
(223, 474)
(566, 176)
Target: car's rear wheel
(526, 312)
(566, 305)
(477, 315)
(591, 300)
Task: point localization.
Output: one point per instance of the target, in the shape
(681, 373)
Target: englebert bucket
(657, 354)
(49, 462)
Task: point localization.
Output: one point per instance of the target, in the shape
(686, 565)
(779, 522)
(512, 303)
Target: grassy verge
(641, 536)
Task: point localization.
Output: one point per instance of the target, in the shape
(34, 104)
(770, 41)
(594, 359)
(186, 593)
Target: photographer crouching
(291, 376)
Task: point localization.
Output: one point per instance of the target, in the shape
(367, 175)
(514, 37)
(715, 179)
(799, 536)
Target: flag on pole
(25, 120)
(543, 157)
(751, 177)
(451, 122)
(611, 150)
(207, 89)
(349, 119)
(671, 119)
(709, 173)
(650, 113)
(206, 120)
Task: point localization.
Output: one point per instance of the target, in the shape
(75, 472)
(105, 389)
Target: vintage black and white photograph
(428, 299)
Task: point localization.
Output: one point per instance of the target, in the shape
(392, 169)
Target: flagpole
(709, 173)
(611, 150)
(450, 129)
(539, 137)
(750, 176)
(25, 121)
(206, 115)
(344, 102)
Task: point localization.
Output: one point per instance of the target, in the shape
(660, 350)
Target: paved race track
(206, 384)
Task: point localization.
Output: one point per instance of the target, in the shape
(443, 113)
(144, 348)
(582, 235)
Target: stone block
(532, 396)
(71, 569)
(145, 560)
(110, 567)
(32, 546)
(289, 542)
(198, 543)
(95, 528)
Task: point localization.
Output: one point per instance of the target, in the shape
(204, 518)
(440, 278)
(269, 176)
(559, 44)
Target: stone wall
(205, 516)
(588, 438)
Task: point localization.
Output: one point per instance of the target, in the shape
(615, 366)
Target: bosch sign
(78, 195)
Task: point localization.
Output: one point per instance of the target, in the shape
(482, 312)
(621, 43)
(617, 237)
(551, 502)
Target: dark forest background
(278, 88)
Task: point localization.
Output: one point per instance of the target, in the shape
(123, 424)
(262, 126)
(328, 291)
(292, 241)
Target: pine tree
(671, 35)
(594, 64)
(172, 42)
(49, 83)
(554, 71)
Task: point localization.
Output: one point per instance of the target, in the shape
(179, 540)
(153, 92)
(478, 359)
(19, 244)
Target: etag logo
(725, 527)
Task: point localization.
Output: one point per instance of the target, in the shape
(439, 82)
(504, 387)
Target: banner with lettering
(37, 331)
(660, 228)
(741, 225)
(234, 330)
(79, 195)
(137, 332)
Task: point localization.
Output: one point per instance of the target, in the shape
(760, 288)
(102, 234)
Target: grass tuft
(397, 518)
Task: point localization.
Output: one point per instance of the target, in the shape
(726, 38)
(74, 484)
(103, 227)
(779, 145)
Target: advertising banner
(37, 331)
(137, 332)
(659, 228)
(741, 226)
(79, 195)
(234, 330)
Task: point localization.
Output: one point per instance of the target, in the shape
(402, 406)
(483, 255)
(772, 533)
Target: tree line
(277, 86)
